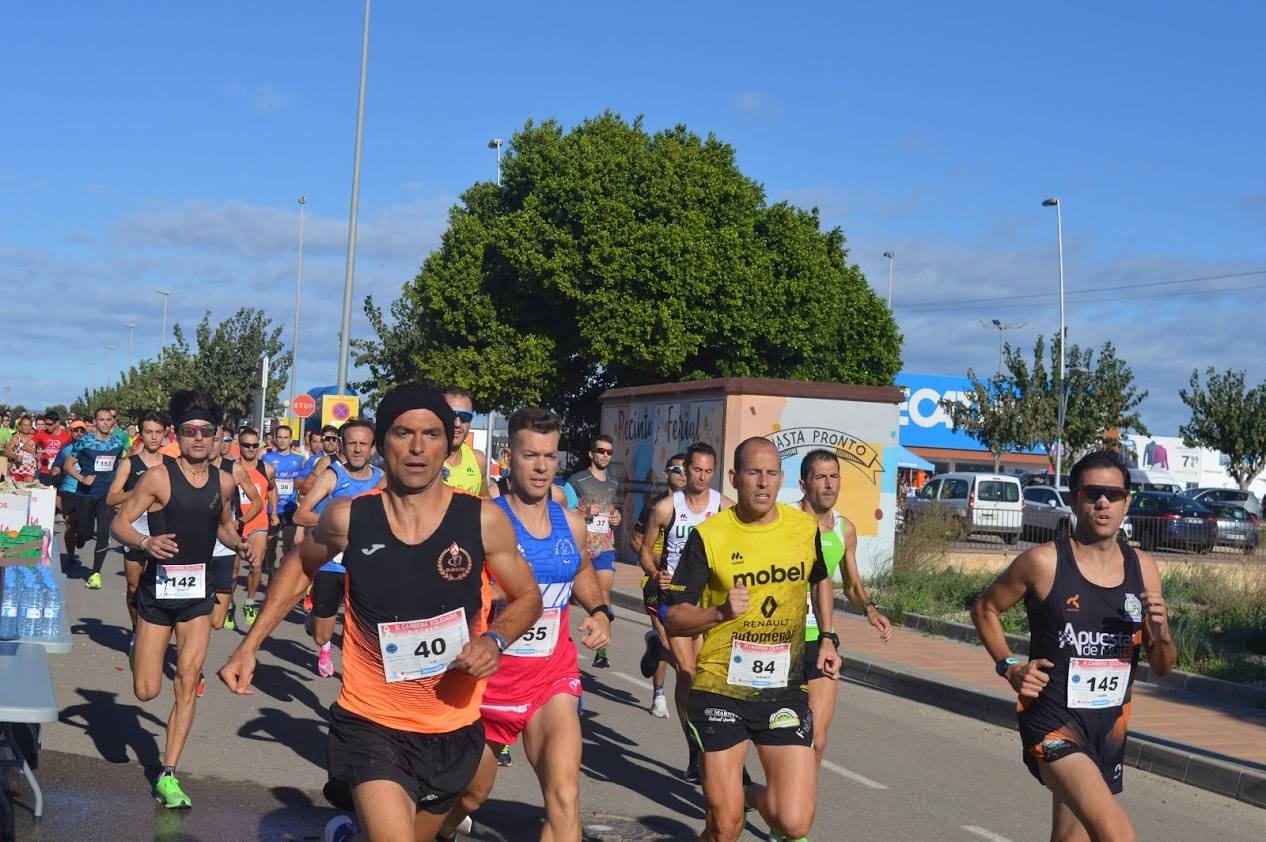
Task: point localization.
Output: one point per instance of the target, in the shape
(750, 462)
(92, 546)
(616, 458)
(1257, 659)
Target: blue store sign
(923, 422)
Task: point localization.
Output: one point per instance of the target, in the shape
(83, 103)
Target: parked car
(1210, 496)
(1048, 514)
(982, 504)
(1154, 480)
(1236, 527)
(1168, 520)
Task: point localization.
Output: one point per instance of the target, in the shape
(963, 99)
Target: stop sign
(303, 406)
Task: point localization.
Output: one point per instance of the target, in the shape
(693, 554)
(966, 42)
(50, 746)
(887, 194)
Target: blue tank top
(347, 486)
(554, 559)
(289, 468)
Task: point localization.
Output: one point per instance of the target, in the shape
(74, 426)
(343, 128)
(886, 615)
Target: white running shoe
(465, 826)
(659, 706)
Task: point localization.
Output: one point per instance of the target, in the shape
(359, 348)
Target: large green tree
(1230, 417)
(993, 415)
(610, 256)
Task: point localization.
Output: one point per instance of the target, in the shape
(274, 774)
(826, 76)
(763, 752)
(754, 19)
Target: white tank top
(683, 523)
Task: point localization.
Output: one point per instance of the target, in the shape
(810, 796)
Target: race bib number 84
(761, 665)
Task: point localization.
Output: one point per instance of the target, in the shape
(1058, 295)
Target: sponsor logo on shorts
(784, 718)
(1116, 773)
(720, 715)
(1134, 608)
(1049, 746)
(454, 564)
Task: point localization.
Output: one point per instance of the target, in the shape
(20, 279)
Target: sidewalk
(1235, 734)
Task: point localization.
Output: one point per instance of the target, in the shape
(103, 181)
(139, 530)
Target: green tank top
(464, 476)
(833, 554)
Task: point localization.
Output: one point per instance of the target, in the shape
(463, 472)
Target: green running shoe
(229, 622)
(779, 837)
(131, 653)
(168, 792)
(93, 583)
(249, 613)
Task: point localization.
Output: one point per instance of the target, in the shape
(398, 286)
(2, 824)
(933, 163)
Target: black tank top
(191, 514)
(137, 468)
(1079, 619)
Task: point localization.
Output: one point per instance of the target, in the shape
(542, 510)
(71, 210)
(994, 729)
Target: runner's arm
(661, 513)
(1009, 588)
(153, 488)
(309, 479)
(514, 576)
(324, 485)
(482, 462)
(71, 466)
(116, 495)
(1158, 640)
(685, 617)
(273, 506)
(226, 531)
(243, 482)
(856, 590)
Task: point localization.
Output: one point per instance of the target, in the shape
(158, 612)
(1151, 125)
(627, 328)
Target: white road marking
(985, 834)
(640, 682)
(851, 775)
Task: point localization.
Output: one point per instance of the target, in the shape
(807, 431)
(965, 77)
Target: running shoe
(131, 653)
(249, 613)
(230, 622)
(504, 759)
(779, 837)
(600, 659)
(692, 770)
(202, 685)
(168, 793)
(93, 582)
(659, 706)
(307, 602)
(650, 658)
(464, 827)
(339, 829)
(325, 662)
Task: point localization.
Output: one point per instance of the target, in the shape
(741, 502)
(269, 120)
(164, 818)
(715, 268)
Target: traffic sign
(303, 406)
(339, 409)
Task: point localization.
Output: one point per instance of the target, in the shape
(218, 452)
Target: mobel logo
(775, 575)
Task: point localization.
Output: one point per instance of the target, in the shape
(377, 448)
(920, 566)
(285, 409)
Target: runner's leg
(1076, 784)
(104, 514)
(790, 795)
(723, 793)
(685, 650)
(475, 792)
(385, 811)
(191, 652)
(258, 541)
(822, 703)
(151, 652)
(551, 743)
(132, 574)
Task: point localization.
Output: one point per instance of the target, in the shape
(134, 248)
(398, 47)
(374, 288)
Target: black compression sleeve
(691, 575)
(819, 571)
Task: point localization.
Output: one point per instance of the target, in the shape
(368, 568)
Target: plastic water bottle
(52, 606)
(31, 610)
(9, 605)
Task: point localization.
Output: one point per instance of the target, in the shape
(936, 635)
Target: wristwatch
(831, 636)
(1001, 666)
(497, 639)
(604, 609)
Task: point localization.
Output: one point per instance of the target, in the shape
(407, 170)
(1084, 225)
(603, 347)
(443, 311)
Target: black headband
(408, 397)
(196, 415)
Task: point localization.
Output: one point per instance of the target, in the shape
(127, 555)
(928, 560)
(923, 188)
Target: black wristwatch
(833, 637)
(604, 609)
(497, 639)
(1004, 664)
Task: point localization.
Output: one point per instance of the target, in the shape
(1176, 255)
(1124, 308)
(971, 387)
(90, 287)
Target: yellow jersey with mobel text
(758, 655)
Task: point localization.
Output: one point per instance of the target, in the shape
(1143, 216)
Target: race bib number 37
(1097, 682)
(422, 648)
(600, 524)
(760, 665)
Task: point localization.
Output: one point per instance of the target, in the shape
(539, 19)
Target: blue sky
(150, 145)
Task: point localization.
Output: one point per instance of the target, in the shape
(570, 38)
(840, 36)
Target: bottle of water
(52, 606)
(9, 605)
(31, 610)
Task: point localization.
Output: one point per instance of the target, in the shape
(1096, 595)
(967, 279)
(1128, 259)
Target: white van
(1154, 480)
(984, 504)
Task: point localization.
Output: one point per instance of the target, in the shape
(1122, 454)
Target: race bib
(760, 665)
(422, 648)
(285, 488)
(600, 525)
(181, 581)
(540, 640)
(243, 498)
(1097, 682)
(103, 464)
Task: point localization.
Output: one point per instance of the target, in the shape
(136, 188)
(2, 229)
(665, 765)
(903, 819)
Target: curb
(1179, 762)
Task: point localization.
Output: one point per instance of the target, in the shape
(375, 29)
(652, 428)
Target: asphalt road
(896, 770)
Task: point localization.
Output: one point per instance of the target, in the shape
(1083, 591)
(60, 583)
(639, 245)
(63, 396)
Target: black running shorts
(327, 592)
(221, 578)
(168, 612)
(1048, 733)
(719, 722)
(432, 768)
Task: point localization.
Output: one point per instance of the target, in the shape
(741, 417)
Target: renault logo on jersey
(768, 607)
(454, 564)
(775, 575)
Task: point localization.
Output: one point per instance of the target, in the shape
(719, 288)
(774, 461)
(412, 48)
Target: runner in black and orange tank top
(405, 734)
(1092, 602)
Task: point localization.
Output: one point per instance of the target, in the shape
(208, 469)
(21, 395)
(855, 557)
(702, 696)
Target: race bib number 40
(181, 581)
(760, 665)
(1097, 682)
(540, 640)
(422, 648)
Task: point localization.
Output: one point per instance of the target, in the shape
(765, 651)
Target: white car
(982, 504)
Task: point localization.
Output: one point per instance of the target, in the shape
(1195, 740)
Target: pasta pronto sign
(849, 448)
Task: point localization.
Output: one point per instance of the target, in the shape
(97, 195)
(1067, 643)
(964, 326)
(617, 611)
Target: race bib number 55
(422, 648)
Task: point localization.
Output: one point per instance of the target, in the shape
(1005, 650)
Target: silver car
(1235, 527)
(1212, 496)
(1048, 513)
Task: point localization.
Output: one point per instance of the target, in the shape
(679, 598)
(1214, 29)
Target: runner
(255, 530)
(740, 584)
(92, 464)
(465, 467)
(655, 659)
(595, 493)
(68, 496)
(153, 426)
(330, 452)
(677, 516)
(536, 691)
(190, 509)
(287, 467)
(1092, 601)
(353, 479)
(405, 733)
(21, 452)
(224, 562)
(820, 483)
(6, 434)
(49, 443)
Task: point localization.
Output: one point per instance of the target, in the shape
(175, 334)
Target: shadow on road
(106, 635)
(114, 728)
(306, 737)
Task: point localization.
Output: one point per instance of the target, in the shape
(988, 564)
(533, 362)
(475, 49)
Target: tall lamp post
(1063, 338)
(890, 254)
(109, 368)
(166, 294)
(495, 143)
(345, 335)
(1002, 329)
(294, 339)
(131, 332)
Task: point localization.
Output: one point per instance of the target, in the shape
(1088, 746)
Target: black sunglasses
(463, 416)
(1115, 494)
(248, 444)
(329, 438)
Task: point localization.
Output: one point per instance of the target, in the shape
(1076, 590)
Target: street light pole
(495, 143)
(1002, 328)
(1063, 339)
(344, 344)
(294, 339)
(890, 254)
(166, 294)
(109, 367)
(131, 331)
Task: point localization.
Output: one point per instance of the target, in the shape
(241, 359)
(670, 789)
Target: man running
(405, 733)
(350, 479)
(595, 494)
(153, 426)
(740, 584)
(21, 453)
(190, 510)
(287, 467)
(68, 496)
(655, 659)
(677, 516)
(820, 483)
(49, 443)
(255, 530)
(92, 464)
(1092, 601)
(328, 454)
(536, 691)
(224, 561)
(465, 467)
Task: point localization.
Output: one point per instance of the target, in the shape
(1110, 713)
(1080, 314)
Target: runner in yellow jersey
(740, 584)
(465, 467)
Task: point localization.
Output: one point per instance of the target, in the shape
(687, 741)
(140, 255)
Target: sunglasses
(329, 438)
(248, 445)
(1115, 494)
(676, 469)
(463, 416)
(603, 451)
(196, 431)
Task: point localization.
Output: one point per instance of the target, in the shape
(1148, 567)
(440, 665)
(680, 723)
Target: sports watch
(1001, 666)
(497, 639)
(603, 609)
(831, 636)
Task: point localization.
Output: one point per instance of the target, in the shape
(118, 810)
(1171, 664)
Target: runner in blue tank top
(1092, 602)
(288, 466)
(353, 479)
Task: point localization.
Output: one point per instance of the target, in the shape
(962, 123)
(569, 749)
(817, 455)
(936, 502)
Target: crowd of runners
(456, 596)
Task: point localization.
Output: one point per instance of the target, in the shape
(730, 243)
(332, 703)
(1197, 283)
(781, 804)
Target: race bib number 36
(761, 665)
(422, 648)
(285, 488)
(1097, 682)
(181, 581)
(540, 640)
